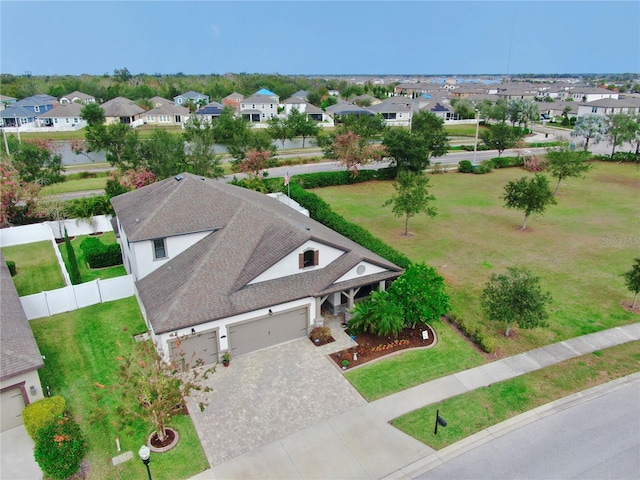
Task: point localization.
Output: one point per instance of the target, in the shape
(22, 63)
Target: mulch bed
(371, 347)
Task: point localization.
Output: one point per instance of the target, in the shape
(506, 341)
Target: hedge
(11, 265)
(474, 334)
(39, 414)
(619, 157)
(99, 255)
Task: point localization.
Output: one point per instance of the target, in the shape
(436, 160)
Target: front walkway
(360, 443)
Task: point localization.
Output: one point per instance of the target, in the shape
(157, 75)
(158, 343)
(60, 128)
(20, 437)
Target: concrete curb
(441, 456)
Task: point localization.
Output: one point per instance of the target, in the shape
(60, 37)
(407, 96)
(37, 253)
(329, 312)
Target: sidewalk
(360, 443)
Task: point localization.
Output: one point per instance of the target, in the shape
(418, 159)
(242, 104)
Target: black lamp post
(144, 453)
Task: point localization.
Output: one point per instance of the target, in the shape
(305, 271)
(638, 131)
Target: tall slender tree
(412, 197)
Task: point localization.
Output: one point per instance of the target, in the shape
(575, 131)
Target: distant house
(233, 101)
(166, 115)
(16, 116)
(365, 100)
(122, 110)
(301, 94)
(19, 356)
(312, 112)
(441, 110)
(610, 106)
(77, 97)
(396, 111)
(198, 99)
(590, 94)
(64, 117)
(210, 112)
(6, 101)
(38, 103)
(221, 268)
(342, 109)
(260, 107)
(159, 101)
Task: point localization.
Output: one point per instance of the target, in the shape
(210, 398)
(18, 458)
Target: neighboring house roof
(170, 109)
(438, 107)
(157, 101)
(37, 100)
(213, 108)
(302, 94)
(264, 91)
(4, 98)
(67, 110)
(365, 97)
(19, 353)
(259, 99)
(391, 105)
(611, 103)
(249, 233)
(192, 95)
(233, 96)
(348, 109)
(121, 107)
(77, 95)
(18, 111)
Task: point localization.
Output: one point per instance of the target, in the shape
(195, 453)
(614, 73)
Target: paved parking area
(267, 395)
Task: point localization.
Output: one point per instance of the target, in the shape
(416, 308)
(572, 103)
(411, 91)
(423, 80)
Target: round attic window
(361, 269)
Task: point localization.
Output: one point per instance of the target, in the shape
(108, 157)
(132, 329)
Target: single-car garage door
(268, 331)
(198, 349)
(11, 404)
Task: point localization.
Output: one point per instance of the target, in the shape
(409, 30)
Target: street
(598, 439)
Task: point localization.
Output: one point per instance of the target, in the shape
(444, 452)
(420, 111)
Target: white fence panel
(87, 294)
(35, 306)
(25, 234)
(81, 226)
(116, 288)
(61, 300)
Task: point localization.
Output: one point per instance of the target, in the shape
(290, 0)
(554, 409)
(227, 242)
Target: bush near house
(59, 448)
(38, 415)
(99, 255)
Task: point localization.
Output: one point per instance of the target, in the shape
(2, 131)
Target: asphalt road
(598, 439)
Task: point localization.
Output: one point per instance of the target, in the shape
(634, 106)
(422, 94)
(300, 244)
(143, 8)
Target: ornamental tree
(590, 127)
(153, 388)
(420, 292)
(632, 280)
(530, 195)
(411, 197)
(17, 197)
(563, 163)
(516, 297)
(352, 151)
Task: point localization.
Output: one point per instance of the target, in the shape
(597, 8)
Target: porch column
(319, 302)
(382, 285)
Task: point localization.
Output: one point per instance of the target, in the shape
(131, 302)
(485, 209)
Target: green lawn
(37, 267)
(451, 354)
(87, 274)
(579, 248)
(482, 408)
(81, 350)
(77, 185)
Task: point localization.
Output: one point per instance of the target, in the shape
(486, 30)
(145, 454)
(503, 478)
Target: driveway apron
(267, 395)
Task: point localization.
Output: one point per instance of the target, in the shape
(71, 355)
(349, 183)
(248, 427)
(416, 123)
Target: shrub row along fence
(73, 297)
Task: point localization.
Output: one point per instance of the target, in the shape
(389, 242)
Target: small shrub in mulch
(321, 336)
(371, 347)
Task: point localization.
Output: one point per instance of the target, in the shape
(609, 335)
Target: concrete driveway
(267, 395)
(16, 454)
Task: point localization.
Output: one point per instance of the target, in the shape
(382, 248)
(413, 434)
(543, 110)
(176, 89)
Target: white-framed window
(159, 249)
(253, 106)
(164, 118)
(75, 120)
(66, 120)
(151, 118)
(36, 108)
(179, 99)
(594, 109)
(263, 115)
(55, 120)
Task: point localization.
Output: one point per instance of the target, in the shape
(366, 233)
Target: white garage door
(266, 332)
(198, 349)
(11, 404)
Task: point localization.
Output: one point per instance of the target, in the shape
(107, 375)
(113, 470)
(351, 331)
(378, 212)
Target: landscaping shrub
(484, 167)
(99, 255)
(322, 334)
(485, 342)
(89, 207)
(465, 166)
(619, 157)
(59, 448)
(74, 271)
(38, 415)
(506, 162)
(11, 265)
(534, 164)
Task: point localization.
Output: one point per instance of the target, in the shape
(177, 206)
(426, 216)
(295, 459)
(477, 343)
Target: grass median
(473, 412)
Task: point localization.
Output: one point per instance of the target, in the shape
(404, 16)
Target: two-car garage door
(268, 331)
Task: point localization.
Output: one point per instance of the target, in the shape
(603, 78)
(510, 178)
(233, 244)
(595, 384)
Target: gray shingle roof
(67, 110)
(19, 353)
(250, 232)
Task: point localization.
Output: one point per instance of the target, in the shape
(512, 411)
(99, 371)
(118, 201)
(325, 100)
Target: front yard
(81, 350)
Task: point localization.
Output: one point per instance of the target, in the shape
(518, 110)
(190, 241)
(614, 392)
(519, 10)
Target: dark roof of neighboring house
(438, 107)
(68, 110)
(348, 109)
(213, 108)
(20, 112)
(301, 94)
(391, 105)
(249, 232)
(37, 100)
(259, 99)
(19, 353)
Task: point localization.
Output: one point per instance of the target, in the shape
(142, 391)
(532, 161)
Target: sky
(319, 37)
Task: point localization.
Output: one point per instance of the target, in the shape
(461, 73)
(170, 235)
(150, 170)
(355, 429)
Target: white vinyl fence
(73, 297)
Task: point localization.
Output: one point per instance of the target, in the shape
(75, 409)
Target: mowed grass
(81, 350)
(470, 413)
(37, 267)
(76, 185)
(450, 355)
(579, 247)
(87, 274)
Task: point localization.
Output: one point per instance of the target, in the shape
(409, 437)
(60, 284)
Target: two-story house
(198, 99)
(220, 268)
(260, 107)
(25, 111)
